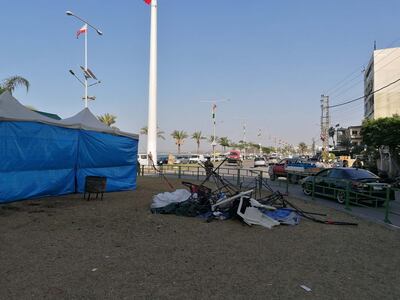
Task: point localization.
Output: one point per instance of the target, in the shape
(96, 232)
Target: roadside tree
(179, 137)
(197, 136)
(11, 83)
(107, 119)
(145, 131)
(224, 142)
(384, 132)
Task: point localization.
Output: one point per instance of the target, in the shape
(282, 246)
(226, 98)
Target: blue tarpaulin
(40, 156)
(102, 154)
(44, 160)
(36, 160)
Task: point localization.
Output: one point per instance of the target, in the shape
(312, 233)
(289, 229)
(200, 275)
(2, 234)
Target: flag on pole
(82, 30)
(147, 2)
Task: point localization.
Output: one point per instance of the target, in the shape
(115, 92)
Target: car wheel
(307, 189)
(341, 197)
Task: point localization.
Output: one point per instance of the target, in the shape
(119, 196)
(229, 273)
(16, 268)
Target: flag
(147, 2)
(82, 30)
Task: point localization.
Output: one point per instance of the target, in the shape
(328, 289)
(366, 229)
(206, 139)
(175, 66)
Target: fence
(348, 193)
(343, 189)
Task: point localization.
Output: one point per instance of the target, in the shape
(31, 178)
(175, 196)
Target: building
(355, 135)
(383, 69)
(352, 135)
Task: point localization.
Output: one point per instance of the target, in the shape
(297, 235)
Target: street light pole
(86, 66)
(213, 112)
(99, 32)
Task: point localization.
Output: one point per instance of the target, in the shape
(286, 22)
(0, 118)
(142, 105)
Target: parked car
(333, 182)
(259, 162)
(235, 157)
(272, 160)
(143, 159)
(162, 160)
(196, 158)
(182, 159)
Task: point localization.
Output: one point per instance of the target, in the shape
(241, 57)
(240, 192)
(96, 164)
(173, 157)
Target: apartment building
(382, 70)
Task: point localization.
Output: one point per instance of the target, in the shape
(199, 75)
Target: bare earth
(68, 248)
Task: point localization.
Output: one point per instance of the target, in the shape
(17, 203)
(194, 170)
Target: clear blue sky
(273, 59)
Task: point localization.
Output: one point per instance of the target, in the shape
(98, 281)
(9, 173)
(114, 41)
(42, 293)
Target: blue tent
(40, 156)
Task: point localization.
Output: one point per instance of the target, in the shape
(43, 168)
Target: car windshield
(194, 156)
(360, 174)
(258, 158)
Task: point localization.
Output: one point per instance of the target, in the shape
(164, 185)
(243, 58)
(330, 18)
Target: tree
(345, 142)
(242, 145)
(179, 137)
(11, 83)
(384, 132)
(160, 133)
(197, 136)
(107, 119)
(224, 142)
(302, 148)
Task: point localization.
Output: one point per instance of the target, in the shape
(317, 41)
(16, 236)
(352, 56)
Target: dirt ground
(69, 248)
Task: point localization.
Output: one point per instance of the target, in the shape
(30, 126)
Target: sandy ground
(68, 248)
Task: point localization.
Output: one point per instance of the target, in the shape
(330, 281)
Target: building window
(355, 132)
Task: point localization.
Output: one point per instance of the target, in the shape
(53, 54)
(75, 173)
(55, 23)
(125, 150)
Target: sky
(272, 59)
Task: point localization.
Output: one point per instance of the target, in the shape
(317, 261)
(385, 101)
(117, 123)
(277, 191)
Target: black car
(162, 160)
(363, 185)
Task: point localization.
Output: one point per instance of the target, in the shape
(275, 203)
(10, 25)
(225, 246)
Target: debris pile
(227, 201)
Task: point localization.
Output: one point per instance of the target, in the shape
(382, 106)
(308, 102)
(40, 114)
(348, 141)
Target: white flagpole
(152, 117)
(86, 63)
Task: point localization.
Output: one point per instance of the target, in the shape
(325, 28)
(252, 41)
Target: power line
(362, 97)
(342, 83)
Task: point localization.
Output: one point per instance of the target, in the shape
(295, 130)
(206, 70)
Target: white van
(196, 158)
(143, 159)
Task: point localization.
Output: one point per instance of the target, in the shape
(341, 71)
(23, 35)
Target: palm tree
(107, 119)
(11, 83)
(224, 142)
(197, 136)
(160, 134)
(179, 137)
(302, 148)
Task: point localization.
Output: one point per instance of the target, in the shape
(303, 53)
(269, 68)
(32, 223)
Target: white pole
(86, 63)
(152, 117)
(214, 128)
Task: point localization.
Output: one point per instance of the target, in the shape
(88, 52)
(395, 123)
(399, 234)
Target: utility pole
(313, 147)
(325, 124)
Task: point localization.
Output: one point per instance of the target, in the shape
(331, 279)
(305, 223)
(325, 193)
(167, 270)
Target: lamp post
(213, 113)
(86, 24)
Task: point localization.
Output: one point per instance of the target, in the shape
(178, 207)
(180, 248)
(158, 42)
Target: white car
(260, 162)
(143, 159)
(196, 158)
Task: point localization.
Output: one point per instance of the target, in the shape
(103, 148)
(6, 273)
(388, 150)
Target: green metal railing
(369, 198)
(351, 196)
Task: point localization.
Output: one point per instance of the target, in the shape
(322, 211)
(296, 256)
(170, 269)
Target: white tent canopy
(12, 110)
